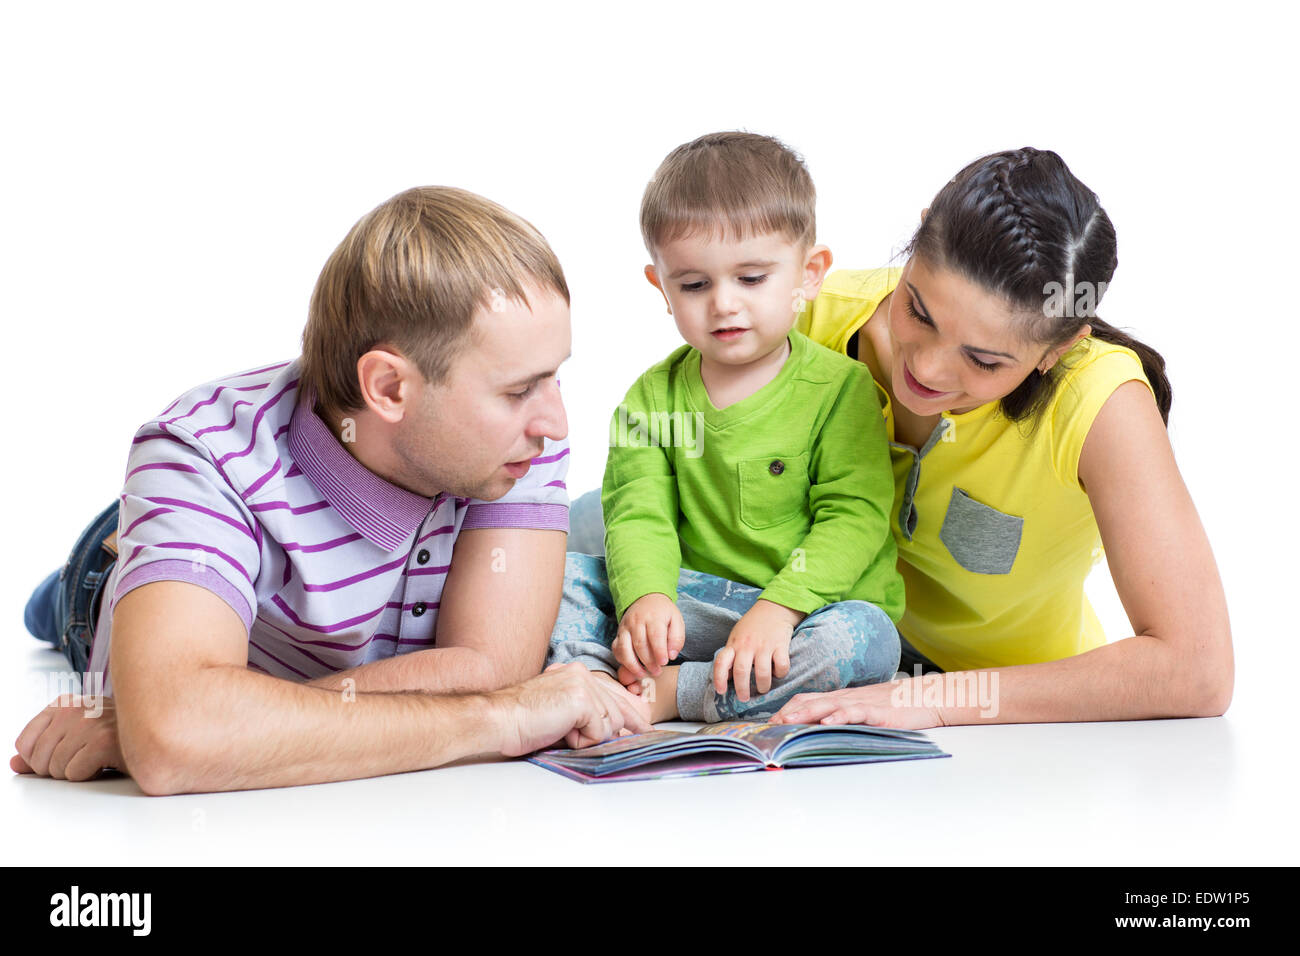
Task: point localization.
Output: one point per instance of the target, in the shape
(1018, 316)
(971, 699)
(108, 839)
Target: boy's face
(736, 299)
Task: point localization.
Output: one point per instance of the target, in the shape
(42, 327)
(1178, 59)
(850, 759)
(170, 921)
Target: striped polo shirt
(240, 487)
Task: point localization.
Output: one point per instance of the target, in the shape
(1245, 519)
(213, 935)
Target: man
(336, 567)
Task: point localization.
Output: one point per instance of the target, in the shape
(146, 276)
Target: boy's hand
(760, 642)
(650, 635)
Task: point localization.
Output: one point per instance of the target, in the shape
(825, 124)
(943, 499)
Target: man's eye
(520, 396)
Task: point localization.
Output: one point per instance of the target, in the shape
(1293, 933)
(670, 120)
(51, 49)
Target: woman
(1026, 434)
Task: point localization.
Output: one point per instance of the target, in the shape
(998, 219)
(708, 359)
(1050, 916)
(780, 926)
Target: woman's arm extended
(1177, 664)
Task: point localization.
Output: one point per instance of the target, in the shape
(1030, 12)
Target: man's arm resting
(193, 718)
(495, 618)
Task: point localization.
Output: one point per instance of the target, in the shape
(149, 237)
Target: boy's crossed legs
(846, 644)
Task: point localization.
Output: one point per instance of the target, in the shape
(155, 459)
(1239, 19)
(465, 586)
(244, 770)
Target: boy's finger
(722, 670)
(658, 641)
(781, 663)
(740, 674)
(676, 635)
(763, 673)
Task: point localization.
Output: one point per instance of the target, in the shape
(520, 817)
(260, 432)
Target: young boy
(748, 487)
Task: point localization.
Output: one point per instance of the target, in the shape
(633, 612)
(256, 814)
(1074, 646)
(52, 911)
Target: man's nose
(551, 421)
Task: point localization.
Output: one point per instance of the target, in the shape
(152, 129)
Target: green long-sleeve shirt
(788, 490)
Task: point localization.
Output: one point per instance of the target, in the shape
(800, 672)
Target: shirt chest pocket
(773, 489)
(981, 539)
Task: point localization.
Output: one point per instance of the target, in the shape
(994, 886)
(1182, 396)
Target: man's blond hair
(410, 275)
(735, 184)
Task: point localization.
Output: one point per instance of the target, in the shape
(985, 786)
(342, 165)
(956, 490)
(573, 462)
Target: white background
(174, 177)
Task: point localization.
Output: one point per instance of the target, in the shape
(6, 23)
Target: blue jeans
(64, 608)
(846, 644)
(587, 535)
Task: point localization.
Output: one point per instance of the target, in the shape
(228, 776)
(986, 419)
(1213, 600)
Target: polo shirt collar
(379, 510)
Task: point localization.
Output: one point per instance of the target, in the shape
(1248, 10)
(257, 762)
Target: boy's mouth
(729, 333)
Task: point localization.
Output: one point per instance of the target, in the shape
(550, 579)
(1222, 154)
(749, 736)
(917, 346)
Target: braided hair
(1019, 224)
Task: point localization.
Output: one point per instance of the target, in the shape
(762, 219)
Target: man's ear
(387, 380)
(652, 276)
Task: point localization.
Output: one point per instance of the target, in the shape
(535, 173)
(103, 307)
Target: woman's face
(952, 343)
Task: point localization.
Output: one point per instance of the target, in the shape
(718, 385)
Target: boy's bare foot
(661, 692)
(642, 705)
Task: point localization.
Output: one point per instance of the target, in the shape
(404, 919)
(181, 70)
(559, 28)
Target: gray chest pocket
(980, 538)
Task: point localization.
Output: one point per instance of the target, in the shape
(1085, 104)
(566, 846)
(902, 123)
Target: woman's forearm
(1136, 678)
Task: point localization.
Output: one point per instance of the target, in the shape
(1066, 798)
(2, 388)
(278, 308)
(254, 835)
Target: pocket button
(776, 467)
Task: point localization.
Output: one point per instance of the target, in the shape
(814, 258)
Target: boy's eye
(752, 280)
(693, 286)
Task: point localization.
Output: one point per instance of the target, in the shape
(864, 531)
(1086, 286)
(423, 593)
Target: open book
(734, 746)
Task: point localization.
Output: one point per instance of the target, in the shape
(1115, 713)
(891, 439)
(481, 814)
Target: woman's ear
(923, 212)
(1054, 356)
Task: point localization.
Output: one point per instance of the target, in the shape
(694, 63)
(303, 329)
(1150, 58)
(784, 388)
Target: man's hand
(73, 738)
(759, 643)
(566, 701)
(650, 635)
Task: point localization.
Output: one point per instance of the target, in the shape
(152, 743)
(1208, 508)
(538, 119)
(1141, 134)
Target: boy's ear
(652, 276)
(815, 266)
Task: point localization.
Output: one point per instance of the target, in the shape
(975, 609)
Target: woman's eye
(911, 310)
(986, 366)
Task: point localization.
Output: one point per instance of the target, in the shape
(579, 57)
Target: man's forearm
(438, 670)
(235, 729)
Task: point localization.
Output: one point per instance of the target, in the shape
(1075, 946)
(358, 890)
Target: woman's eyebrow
(925, 313)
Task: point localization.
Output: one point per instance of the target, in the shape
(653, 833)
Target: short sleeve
(181, 520)
(1089, 379)
(539, 500)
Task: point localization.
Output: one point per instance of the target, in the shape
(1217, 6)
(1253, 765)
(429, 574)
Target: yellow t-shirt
(996, 535)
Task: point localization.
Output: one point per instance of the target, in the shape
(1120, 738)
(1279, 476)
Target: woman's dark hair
(1020, 225)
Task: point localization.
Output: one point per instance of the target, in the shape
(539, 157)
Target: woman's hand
(896, 704)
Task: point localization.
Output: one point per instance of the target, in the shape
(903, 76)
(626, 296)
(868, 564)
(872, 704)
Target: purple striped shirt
(240, 488)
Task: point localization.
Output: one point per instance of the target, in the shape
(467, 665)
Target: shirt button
(423, 556)
(776, 467)
(419, 609)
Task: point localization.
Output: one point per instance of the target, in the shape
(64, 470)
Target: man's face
(473, 435)
(733, 299)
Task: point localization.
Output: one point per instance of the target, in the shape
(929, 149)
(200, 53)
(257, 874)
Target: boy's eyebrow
(752, 264)
(970, 348)
(530, 379)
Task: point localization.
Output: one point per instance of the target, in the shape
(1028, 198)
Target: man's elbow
(155, 759)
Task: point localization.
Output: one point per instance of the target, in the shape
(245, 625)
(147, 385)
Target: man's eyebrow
(925, 313)
(752, 264)
(537, 377)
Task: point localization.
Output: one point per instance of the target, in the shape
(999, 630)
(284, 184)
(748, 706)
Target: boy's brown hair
(741, 184)
(411, 274)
